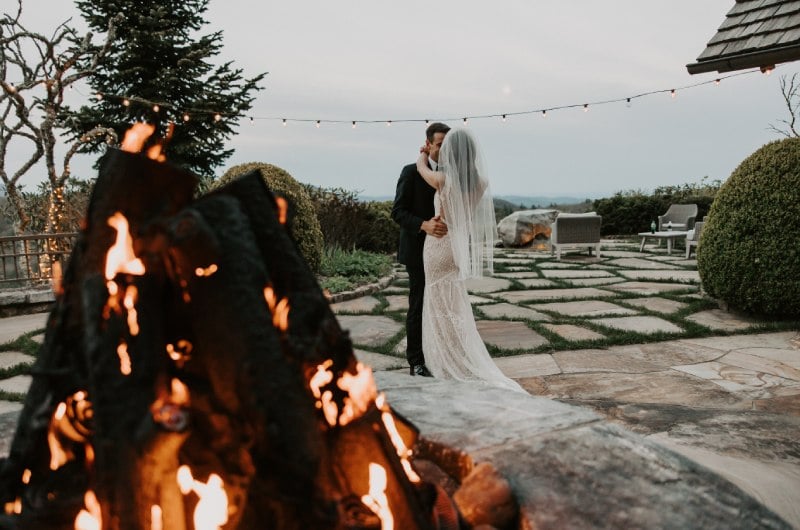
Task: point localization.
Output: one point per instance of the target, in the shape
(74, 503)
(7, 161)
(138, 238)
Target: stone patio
(729, 401)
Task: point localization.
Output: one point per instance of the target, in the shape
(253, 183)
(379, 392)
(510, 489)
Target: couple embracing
(447, 229)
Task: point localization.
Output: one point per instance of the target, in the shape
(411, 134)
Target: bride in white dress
(453, 348)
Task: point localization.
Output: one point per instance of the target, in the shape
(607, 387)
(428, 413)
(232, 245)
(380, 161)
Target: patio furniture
(693, 237)
(575, 230)
(668, 235)
(678, 217)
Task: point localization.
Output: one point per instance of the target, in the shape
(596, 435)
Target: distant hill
(542, 202)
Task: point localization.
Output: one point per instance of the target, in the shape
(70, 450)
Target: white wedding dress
(453, 348)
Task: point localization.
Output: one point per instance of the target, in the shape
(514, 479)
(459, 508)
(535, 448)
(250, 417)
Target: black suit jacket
(413, 204)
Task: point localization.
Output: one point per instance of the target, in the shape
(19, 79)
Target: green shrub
(303, 224)
(342, 269)
(631, 212)
(349, 223)
(749, 252)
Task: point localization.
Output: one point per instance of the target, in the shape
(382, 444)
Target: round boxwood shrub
(749, 251)
(303, 224)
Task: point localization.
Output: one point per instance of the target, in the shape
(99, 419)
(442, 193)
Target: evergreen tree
(158, 70)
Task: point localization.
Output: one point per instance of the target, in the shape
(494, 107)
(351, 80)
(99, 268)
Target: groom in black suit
(413, 211)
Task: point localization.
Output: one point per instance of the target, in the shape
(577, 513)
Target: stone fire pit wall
(567, 466)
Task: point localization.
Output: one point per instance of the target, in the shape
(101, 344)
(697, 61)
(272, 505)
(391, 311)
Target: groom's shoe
(420, 369)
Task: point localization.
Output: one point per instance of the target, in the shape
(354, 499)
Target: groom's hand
(434, 227)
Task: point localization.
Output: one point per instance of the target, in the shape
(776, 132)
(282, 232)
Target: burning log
(193, 376)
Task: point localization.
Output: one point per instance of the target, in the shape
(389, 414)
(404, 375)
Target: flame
(90, 517)
(124, 359)
(283, 207)
(279, 309)
(58, 454)
(26, 476)
(136, 136)
(376, 499)
(211, 511)
(120, 257)
(58, 276)
(131, 295)
(402, 451)
(208, 271)
(156, 518)
(13, 507)
(180, 392)
(361, 392)
(322, 377)
(329, 408)
(180, 352)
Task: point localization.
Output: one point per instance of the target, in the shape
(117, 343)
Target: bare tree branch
(791, 96)
(30, 106)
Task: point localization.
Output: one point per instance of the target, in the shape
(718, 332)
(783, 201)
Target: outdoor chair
(575, 230)
(679, 217)
(693, 237)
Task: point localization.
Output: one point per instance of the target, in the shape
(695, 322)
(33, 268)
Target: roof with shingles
(755, 33)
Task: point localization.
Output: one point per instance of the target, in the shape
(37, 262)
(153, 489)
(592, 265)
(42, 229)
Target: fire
(279, 309)
(58, 454)
(402, 451)
(156, 518)
(207, 271)
(376, 499)
(283, 207)
(136, 136)
(124, 359)
(321, 378)
(180, 392)
(211, 511)
(131, 295)
(120, 257)
(26, 476)
(89, 518)
(180, 352)
(361, 392)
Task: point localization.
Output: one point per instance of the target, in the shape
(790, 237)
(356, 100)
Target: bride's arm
(433, 178)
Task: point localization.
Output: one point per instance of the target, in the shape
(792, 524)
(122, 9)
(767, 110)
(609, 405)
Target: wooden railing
(30, 260)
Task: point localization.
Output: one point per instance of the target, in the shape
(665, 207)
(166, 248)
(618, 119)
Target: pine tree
(159, 70)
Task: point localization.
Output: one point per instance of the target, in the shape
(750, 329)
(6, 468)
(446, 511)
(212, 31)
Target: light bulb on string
(504, 118)
(628, 102)
(156, 108)
(717, 81)
(544, 114)
(427, 122)
(354, 125)
(126, 102)
(217, 116)
(318, 123)
(389, 123)
(252, 121)
(99, 96)
(465, 121)
(766, 70)
(672, 93)
(585, 107)
(186, 116)
(284, 122)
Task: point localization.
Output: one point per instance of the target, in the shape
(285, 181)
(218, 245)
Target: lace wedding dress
(453, 348)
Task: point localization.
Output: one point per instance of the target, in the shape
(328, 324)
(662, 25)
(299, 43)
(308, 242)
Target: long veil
(468, 205)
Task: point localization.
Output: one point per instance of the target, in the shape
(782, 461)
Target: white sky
(382, 60)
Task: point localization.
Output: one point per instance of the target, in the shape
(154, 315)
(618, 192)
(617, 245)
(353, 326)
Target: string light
(130, 100)
(354, 125)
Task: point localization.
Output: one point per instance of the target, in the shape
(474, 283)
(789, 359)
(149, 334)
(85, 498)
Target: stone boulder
(521, 228)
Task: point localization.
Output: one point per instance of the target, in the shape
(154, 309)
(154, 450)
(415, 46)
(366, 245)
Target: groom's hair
(434, 128)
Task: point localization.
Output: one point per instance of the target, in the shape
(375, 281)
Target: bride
(453, 347)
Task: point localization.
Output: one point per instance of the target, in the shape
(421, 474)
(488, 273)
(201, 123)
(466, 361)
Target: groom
(413, 211)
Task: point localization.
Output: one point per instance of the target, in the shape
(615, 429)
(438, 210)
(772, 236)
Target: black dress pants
(416, 292)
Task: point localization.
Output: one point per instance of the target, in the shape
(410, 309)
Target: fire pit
(192, 376)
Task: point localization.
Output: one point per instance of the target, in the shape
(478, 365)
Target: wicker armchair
(693, 237)
(680, 217)
(576, 230)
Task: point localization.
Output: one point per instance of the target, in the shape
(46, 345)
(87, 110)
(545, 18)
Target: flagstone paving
(730, 401)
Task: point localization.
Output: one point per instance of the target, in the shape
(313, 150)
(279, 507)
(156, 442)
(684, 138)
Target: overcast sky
(382, 60)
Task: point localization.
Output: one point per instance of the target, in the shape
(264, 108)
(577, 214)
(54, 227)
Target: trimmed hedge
(749, 251)
(303, 223)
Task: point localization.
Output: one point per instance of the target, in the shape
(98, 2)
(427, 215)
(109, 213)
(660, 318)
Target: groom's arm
(403, 201)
